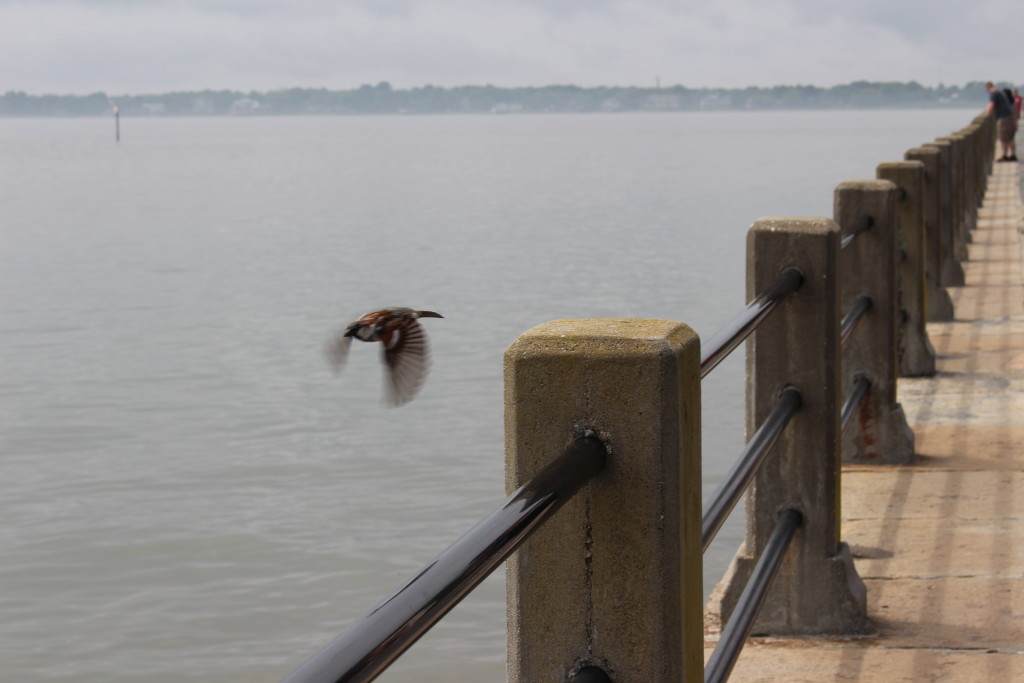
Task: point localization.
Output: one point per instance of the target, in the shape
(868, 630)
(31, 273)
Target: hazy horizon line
(654, 87)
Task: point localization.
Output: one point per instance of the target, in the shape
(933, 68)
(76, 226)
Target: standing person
(1017, 103)
(1000, 106)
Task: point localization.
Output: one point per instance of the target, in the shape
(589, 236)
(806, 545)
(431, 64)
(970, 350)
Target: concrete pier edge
(939, 542)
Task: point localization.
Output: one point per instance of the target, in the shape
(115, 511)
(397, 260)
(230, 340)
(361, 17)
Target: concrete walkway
(940, 544)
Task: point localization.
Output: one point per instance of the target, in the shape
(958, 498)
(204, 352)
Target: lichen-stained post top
(863, 186)
(604, 335)
(794, 224)
(557, 364)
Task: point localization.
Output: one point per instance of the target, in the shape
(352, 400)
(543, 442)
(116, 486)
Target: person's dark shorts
(1006, 128)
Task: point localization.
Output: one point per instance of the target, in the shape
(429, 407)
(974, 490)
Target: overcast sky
(138, 46)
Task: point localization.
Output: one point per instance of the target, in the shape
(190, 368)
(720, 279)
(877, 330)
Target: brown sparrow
(404, 348)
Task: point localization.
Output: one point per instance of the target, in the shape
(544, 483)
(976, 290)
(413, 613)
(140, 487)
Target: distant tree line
(383, 99)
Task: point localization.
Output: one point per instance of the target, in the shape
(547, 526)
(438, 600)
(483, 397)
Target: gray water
(189, 494)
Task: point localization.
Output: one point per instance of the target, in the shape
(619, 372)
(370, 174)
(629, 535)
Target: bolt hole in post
(590, 674)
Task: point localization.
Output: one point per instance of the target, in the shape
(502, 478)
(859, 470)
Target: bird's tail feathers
(336, 351)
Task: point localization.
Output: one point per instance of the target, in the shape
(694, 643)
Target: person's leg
(1004, 133)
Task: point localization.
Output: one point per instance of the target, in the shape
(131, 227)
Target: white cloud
(158, 45)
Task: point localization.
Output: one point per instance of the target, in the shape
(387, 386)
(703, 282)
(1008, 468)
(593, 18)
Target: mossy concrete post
(916, 353)
(817, 590)
(867, 267)
(975, 178)
(988, 144)
(962, 140)
(984, 150)
(959, 193)
(988, 141)
(614, 579)
(938, 303)
(951, 273)
(983, 145)
(968, 206)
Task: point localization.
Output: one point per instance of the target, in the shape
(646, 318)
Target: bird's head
(363, 332)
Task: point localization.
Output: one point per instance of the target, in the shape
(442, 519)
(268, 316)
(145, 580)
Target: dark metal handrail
(725, 340)
(858, 393)
(371, 644)
(735, 633)
(864, 221)
(728, 493)
(861, 306)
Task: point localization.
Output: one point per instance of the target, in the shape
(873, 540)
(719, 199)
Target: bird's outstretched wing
(407, 360)
(336, 351)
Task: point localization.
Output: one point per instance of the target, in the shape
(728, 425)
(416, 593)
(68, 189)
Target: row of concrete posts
(614, 581)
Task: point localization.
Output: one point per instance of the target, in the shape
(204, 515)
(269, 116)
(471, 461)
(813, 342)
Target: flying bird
(404, 348)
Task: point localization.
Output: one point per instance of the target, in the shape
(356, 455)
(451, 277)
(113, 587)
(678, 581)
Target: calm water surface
(189, 493)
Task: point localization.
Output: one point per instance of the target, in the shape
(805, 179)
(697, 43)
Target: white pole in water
(117, 123)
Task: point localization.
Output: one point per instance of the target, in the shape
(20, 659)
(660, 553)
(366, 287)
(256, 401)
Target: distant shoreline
(383, 99)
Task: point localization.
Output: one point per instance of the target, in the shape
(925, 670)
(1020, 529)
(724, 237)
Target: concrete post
(958, 194)
(951, 274)
(988, 143)
(961, 194)
(939, 305)
(966, 189)
(916, 353)
(974, 181)
(614, 580)
(867, 266)
(981, 143)
(817, 590)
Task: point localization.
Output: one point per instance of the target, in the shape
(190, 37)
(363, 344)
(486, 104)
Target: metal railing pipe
(370, 645)
(728, 493)
(863, 221)
(725, 340)
(861, 305)
(735, 633)
(858, 393)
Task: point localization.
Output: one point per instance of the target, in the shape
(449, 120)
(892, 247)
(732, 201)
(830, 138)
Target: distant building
(201, 105)
(715, 100)
(244, 106)
(663, 102)
(506, 108)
